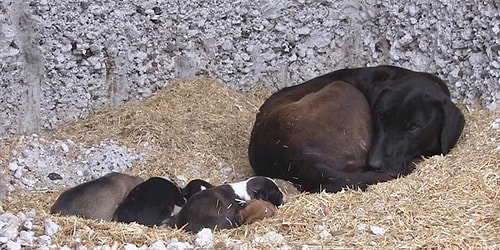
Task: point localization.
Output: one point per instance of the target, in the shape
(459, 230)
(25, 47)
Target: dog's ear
(275, 196)
(180, 199)
(453, 125)
(259, 194)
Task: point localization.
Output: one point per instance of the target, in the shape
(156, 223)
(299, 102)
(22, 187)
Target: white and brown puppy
(218, 207)
(256, 210)
(150, 202)
(96, 199)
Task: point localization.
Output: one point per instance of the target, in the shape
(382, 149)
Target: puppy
(218, 207)
(96, 199)
(194, 187)
(256, 210)
(150, 202)
(287, 188)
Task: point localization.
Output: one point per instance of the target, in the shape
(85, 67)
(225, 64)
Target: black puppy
(150, 202)
(218, 207)
(321, 135)
(195, 186)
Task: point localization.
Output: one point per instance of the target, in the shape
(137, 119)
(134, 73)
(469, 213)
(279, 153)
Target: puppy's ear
(259, 194)
(273, 196)
(180, 199)
(453, 125)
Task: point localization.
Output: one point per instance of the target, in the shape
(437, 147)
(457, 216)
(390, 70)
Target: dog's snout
(375, 163)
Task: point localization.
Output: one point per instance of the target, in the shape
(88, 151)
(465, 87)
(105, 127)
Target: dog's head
(264, 188)
(195, 186)
(413, 117)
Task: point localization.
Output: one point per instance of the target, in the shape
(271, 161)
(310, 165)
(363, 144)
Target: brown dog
(96, 199)
(313, 136)
(256, 210)
(353, 128)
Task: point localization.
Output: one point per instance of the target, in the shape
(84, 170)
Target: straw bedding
(199, 128)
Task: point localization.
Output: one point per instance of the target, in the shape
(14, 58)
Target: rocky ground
(63, 60)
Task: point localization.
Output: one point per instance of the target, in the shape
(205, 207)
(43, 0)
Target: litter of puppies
(160, 202)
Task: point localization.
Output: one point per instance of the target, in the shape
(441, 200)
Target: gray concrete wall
(63, 60)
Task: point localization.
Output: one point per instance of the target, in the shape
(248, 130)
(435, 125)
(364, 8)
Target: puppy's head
(159, 188)
(265, 188)
(195, 186)
(413, 117)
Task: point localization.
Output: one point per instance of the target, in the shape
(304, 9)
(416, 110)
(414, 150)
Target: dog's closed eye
(412, 127)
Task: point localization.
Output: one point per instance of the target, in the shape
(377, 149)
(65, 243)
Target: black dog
(412, 115)
(150, 202)
(218, 207)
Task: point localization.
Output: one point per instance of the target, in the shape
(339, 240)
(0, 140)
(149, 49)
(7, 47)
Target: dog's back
(214, 208)
(96, 199)
(308, 126)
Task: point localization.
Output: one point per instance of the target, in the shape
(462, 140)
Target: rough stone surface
(63, 60)
(40, 164)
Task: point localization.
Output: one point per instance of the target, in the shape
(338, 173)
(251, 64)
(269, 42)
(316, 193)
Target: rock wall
(63, 60)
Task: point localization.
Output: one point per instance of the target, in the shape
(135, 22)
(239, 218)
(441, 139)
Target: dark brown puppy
(218, 207)
(256, 210)
(96, 199)
(319, 134)
(150, 202)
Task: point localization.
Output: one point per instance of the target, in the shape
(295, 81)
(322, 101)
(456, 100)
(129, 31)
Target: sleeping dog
(195, 186)
(353, 128)
(151, 202)
(96, 199)
(256, 210)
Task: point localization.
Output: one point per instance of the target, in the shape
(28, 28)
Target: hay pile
(198, 128)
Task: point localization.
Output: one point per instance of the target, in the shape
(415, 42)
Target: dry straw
(198, 128)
